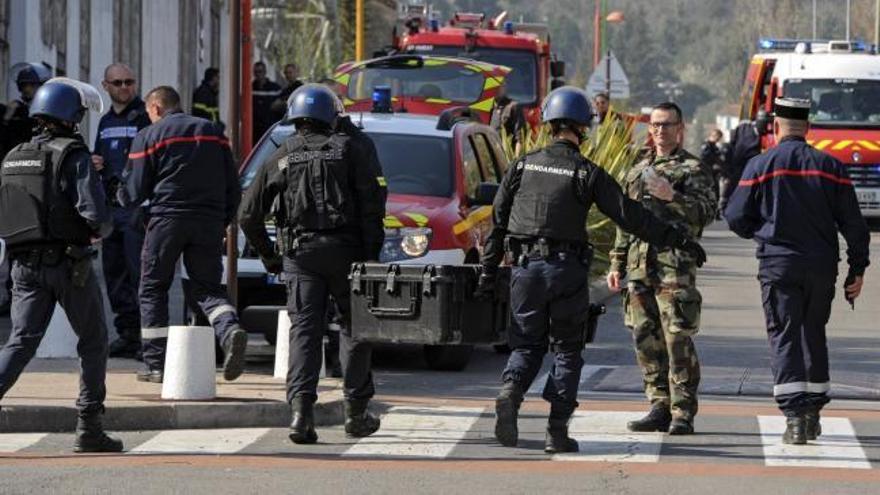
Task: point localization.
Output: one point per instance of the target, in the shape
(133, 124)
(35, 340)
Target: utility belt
(310, 240)
(53, 254)
(522, 250)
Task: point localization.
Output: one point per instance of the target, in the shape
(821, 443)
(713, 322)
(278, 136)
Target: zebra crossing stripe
(418, 432)
(837, 447)
(13, 442)
(587, 372)
(602, 437)
(226, 441)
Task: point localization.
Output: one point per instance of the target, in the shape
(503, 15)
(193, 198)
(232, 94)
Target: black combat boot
(234, 347)
(681, 426)
(358, 421)
(814, 427)
(302, 425)
(90, 435)
(795, 430)
(506, 414)
(557, 439)
(657, 419)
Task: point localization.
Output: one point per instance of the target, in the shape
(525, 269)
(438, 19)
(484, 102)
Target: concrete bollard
(60, 340)
(190, 364)
(282, 347)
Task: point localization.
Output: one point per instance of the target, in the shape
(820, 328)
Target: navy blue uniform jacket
(116, 131)
(793, 200)
(183, 166)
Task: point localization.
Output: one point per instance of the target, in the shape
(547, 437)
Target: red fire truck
(842, 79)
(524, 47)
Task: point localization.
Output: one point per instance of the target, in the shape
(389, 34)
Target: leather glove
(694, 249)
(486, 284)
(273, 264)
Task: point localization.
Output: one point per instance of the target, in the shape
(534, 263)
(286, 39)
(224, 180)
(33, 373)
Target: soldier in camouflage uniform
(662, 303)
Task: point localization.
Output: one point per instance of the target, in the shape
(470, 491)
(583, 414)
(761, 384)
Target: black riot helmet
(314, 102)
(30, 73)
(569, 104)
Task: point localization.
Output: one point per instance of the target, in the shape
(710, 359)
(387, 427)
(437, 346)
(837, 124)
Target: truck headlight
(405, 243)
(414, 242)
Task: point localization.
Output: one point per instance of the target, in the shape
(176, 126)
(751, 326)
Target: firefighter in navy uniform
(539, 218)
(184, 167)
(52, 207)
(331, 210)
(793, 200)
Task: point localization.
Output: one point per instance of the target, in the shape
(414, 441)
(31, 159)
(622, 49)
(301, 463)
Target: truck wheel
(448, 357)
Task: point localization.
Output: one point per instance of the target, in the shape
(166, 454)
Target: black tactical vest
(33, 209)
(319, 190)
(546, 203)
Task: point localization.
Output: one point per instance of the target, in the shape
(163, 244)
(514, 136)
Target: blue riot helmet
(315, 102)
(65, 100)
(567, 104)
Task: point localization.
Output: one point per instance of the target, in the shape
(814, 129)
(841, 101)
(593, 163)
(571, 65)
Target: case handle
(399, 312)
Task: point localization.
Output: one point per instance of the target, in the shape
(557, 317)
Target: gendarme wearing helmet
(65, 101)
(315, 103)
(568, 108)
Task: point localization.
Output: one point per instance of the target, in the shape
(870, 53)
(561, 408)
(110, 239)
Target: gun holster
(592, 323)
(81, 257)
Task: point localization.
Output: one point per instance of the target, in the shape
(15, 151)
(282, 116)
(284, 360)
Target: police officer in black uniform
(52, 208)
(184, 167)
(331, 207)
(793, 201)
(16, 126)
(539, 217)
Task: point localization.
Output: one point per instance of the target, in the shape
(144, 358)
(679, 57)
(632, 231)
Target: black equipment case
(426, 304)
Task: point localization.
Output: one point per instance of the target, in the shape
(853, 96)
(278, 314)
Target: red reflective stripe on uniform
(183, 139)
(795, 173)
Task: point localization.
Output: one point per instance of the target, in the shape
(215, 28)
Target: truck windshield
(522, 80)
(839, 102)
(448, 82)
(426, 173)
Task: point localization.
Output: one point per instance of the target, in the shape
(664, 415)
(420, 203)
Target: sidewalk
(43, 400)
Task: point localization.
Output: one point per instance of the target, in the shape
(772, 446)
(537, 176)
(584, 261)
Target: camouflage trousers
(663, 320)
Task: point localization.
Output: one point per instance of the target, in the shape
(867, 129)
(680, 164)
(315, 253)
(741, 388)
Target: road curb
(170, 416)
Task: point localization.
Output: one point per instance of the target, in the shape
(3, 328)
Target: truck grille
(864, 175)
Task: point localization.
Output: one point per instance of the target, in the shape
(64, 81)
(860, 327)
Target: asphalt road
(437, 427)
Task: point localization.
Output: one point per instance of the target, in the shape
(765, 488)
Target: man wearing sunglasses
(121, 251)
(662, 303)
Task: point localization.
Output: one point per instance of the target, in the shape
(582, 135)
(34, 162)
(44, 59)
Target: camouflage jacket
(691, 209)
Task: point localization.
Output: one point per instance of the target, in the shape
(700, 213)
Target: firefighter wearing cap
(52, 208)
(539, 220)
(793, 200)
(327, 185)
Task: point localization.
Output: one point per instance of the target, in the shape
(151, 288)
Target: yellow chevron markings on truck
(435, 63)
(471, 220)
(821, 145)
(418, 218)
(442, 101)
(842, 145)
(492, 82)
(485, 105)
(869, 145)
(392, 222)
(343, 79)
